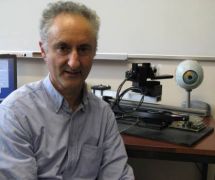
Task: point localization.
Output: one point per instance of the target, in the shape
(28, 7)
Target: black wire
(118, 91)
(123, 93)
(120, 96)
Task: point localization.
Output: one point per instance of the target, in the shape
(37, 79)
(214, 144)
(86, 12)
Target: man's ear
(42, 50)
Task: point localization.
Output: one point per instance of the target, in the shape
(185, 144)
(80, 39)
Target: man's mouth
(72, 72)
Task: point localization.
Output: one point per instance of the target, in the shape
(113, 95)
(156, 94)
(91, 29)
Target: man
(55, 129)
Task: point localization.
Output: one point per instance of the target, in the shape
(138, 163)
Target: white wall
(168, 27)
(112, 73)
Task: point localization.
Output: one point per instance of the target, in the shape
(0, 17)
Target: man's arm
(16, 153)
(114, 163)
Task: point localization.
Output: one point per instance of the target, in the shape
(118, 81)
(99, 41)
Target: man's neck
(74, 98)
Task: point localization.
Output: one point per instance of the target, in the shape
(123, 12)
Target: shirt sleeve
(114, 163)
(16, 153)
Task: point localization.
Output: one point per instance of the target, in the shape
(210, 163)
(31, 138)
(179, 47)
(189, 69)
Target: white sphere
(189, 74)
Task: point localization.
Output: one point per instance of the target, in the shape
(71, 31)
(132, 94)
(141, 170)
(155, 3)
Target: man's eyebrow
(85, 45)
(60, 43)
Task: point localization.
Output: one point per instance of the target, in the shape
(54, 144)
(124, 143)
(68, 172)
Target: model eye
(84, 50)
(190, 77)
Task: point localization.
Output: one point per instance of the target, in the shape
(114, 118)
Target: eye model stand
(189, 75)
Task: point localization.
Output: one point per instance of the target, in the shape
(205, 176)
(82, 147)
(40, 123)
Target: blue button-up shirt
(42, 138)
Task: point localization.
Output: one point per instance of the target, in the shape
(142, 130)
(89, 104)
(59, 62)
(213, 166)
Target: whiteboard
(160, 27)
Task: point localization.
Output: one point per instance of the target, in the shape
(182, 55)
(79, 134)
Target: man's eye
(84, 50)
(63, 49)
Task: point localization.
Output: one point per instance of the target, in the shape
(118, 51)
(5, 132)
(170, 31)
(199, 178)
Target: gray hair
(54, 9)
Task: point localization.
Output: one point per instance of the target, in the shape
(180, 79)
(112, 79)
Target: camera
(139, 75)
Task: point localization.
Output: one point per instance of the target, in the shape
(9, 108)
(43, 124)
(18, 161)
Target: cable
(120, 97)
(130, 125)
(118, 91)
(198, 167)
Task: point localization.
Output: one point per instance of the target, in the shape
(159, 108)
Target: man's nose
(73, 59)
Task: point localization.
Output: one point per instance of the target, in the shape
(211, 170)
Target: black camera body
(139, 75)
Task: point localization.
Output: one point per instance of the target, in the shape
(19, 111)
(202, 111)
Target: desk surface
(137, 146)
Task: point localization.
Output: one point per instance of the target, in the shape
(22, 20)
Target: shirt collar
(85, 98)
(58, 99)
(55, 96)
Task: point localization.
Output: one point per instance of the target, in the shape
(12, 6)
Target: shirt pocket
(89, 162)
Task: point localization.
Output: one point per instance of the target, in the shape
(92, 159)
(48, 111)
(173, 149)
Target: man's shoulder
(23, 94)
(98, 102)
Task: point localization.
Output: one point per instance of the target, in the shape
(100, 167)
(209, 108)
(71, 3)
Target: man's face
(70, 51)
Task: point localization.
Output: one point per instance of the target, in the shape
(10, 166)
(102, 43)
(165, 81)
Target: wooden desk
(203, 152)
